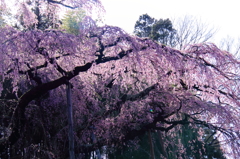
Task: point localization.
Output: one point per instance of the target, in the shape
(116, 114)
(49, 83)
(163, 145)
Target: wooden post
(95, 141)
(151, 144)
(70, 122)
(162, 148)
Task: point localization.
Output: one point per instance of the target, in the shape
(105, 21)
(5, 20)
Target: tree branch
(37, 92)
(60, 3)
(126, 97)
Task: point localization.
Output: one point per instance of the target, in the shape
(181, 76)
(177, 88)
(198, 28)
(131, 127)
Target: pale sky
(222, 14)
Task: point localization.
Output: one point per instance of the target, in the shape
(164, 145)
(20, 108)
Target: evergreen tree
(163, 32)
(143, 26)
(2, 21)
(160, 30)
(71, 21)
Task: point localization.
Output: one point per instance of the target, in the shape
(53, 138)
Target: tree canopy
(122, 87)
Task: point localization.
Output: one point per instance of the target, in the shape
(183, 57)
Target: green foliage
(196, 142)
(194, 145)
(143, 26)
(2, 19)
(133, 152)
(159, 30)
(2, 23)
(163, 32)
(71, 21)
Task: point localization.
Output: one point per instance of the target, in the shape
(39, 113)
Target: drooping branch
(131, 134)
(172, 124)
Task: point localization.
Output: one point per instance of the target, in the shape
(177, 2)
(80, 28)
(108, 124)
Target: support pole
(151, 145)
(95, 141)
(70, 122)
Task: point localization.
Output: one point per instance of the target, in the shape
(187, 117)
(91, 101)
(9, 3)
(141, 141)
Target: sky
(220, 14)
(223, 15)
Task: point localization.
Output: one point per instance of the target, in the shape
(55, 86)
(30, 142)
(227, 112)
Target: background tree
(180, 33)
(143, 26)
(231, 45)
(35, 14)
(71, 21)
(163, 32)
(5, 17)
(160, 30)
(191, 30)
(2, 21)
(38, 14)
(188, 136)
